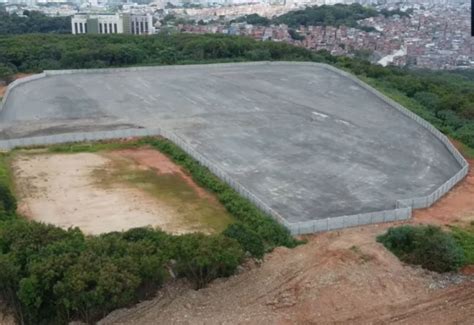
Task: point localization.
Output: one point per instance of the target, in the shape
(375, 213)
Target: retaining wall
(402, 210)
(18, 82)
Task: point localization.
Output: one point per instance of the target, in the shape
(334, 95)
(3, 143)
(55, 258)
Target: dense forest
(334, 15)
(253, 19)
(325, 15)
(446, 98)
(33, 22)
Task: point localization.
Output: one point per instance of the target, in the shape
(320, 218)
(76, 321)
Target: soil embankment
(336, 278)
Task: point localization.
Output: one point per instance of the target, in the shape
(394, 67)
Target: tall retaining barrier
(402, 208)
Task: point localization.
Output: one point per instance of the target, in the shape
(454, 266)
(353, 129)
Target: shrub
(7, 72)
(7, 201)
(427, 246)
(247, 238)
(202, 258)
(50, 275)
(465, 238)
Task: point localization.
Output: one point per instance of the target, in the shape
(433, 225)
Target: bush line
(430, 246)
(53, 276)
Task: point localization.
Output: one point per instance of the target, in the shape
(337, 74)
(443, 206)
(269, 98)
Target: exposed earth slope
(337, 277)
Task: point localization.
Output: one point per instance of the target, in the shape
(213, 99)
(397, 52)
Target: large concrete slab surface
(307, 141)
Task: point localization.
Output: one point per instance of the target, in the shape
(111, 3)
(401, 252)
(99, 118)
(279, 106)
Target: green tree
(7, 72)
(247, 238)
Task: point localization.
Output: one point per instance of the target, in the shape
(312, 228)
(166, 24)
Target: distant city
(432, 35)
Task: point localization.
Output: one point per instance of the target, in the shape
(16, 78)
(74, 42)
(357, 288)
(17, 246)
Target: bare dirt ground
(62, 189)
(342, 277)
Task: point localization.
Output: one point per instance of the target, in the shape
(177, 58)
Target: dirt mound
(336, 277)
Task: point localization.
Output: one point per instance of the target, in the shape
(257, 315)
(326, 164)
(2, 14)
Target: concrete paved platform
(307, 141)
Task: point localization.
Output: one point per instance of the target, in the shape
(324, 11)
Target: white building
(125, 23)
(141, 24)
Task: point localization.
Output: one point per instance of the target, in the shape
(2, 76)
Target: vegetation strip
(51, 275)
(431, 247)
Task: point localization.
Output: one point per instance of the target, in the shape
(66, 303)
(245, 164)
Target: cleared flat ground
(114, 191)
(307, 141)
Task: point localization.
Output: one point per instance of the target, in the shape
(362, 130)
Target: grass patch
(5, 173)
(92, 147)
(465, 238)
(201, 210)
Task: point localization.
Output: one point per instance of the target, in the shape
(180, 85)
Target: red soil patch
(153, 159)
(468, 270)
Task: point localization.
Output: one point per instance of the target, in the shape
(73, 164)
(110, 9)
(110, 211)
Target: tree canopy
(33, 22)
(325, 15)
